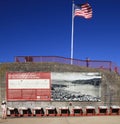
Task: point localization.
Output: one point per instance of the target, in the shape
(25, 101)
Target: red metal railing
(108, 65)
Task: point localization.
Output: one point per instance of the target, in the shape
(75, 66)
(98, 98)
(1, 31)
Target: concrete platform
(63, 120)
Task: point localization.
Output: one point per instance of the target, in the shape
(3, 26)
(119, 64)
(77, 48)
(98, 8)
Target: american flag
(83, 10)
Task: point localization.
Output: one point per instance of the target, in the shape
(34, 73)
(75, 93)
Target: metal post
(72, 33)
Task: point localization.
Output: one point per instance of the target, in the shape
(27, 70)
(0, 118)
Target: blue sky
(43, 28)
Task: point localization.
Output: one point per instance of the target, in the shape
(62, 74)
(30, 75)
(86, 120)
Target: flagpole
(72, 32)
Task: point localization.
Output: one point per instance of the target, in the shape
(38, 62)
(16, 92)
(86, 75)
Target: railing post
(110, 68)
(87, 62)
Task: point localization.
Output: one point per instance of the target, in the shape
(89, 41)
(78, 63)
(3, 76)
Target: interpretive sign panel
(54, 86)
(28, 86)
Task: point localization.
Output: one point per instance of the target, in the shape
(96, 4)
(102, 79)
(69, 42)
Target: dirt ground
(64, 120)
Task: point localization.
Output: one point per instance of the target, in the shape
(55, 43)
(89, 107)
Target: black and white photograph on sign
(73, 86)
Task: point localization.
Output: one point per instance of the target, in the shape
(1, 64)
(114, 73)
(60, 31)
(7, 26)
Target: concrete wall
(110, 87)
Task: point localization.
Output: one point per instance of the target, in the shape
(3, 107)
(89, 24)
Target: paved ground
(64, 120)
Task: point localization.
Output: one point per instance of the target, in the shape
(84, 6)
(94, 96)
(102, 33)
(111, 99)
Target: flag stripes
(83, 10)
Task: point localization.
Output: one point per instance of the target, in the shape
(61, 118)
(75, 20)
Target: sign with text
(54, 86)
(28, 86)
